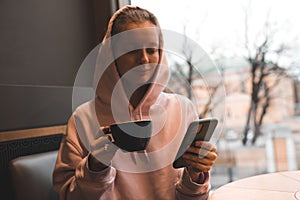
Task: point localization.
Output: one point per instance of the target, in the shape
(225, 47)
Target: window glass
(240, 36)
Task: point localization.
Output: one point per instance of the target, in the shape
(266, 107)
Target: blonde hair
(131, 15)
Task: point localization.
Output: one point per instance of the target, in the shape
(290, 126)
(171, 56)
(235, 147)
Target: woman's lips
(143, 68)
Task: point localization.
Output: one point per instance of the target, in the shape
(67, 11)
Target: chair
(32, 176)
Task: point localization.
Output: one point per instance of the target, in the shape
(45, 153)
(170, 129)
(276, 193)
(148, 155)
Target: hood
(112, 103)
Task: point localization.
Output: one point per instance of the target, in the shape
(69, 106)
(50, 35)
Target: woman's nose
(144, 56)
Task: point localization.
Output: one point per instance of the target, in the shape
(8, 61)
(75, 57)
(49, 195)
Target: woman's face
(139, 53)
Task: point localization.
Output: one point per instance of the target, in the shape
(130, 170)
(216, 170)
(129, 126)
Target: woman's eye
(149, 51)
(133, 51)
(152, 50)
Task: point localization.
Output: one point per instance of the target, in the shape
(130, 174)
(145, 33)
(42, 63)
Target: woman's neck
(136, 97)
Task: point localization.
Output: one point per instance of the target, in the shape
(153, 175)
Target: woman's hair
(131, 15)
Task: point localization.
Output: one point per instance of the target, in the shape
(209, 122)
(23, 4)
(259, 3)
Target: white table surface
(273, 186)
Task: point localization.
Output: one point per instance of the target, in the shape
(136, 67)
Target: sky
(221, 24)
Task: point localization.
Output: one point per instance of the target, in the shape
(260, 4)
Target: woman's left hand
(200, 157)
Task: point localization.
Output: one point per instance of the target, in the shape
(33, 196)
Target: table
(275, 186)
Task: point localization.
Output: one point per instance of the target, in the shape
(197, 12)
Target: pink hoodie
(139, 175)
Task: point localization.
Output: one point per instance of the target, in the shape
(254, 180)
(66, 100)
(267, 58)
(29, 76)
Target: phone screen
(200, 130)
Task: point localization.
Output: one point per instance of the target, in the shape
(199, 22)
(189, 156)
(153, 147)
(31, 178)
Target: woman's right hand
(103, 151)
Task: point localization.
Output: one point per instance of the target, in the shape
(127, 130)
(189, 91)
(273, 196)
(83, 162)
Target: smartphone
(202, 130)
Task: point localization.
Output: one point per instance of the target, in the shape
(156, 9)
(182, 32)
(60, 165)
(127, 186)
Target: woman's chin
(137, 81)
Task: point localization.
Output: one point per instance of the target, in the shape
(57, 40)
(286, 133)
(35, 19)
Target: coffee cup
(131, 136)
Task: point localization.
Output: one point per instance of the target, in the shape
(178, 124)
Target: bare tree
(188, 71)
(261, 71)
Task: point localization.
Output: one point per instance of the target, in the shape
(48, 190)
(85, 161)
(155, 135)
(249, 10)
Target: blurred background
(252, 84)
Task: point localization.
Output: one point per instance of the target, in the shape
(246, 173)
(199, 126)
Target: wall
(43, 44)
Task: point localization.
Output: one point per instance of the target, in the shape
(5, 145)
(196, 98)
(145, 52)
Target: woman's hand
(200, 157)
(103, 151)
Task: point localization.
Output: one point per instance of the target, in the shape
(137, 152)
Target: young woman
(130, 77)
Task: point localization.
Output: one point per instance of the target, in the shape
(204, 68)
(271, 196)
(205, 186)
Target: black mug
(131, 136)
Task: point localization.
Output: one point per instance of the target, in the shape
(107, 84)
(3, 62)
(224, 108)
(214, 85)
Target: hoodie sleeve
(72, 178)
(188, 190)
